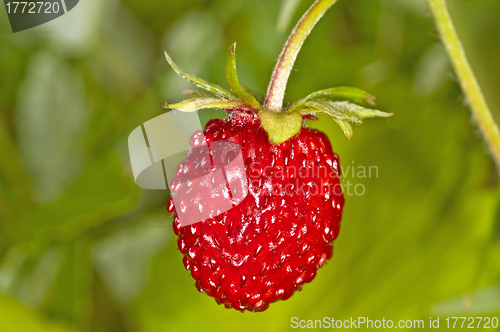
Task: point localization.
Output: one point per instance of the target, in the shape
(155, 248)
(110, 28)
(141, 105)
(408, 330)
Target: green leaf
(342, 112)
(234, 84)
(323, 107)
(200, 82)
(343, 93)
(358, 111)
(346, 128)
(195, 104)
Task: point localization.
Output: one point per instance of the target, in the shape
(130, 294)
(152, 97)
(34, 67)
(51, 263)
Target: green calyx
(345, 105)
(280, 126)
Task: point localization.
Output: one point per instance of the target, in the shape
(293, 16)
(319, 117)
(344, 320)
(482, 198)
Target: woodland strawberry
(274, 240)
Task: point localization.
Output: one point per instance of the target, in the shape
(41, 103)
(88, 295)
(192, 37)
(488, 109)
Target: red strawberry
(273, 241)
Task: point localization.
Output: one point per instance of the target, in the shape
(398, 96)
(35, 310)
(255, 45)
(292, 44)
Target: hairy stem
(279, 79)
(469, 84)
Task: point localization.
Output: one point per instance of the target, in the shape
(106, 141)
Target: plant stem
(469, 84)
(279, 79)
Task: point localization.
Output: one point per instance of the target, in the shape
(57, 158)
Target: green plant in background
(82, 248)
(467, 79)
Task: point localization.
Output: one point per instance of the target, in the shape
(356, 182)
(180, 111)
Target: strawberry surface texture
(273, 242)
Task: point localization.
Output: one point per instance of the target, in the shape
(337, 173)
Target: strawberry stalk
(466, 77)
(276, 89)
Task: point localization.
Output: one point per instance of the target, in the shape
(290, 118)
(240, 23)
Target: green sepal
(358, 111)
(195, 104)
(321, 106)
(342, 112)
(346, 128)
(234, 84)
(342, 93)
(201, 83)
(280, 126)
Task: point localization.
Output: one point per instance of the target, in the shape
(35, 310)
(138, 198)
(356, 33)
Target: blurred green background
(82, 248)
